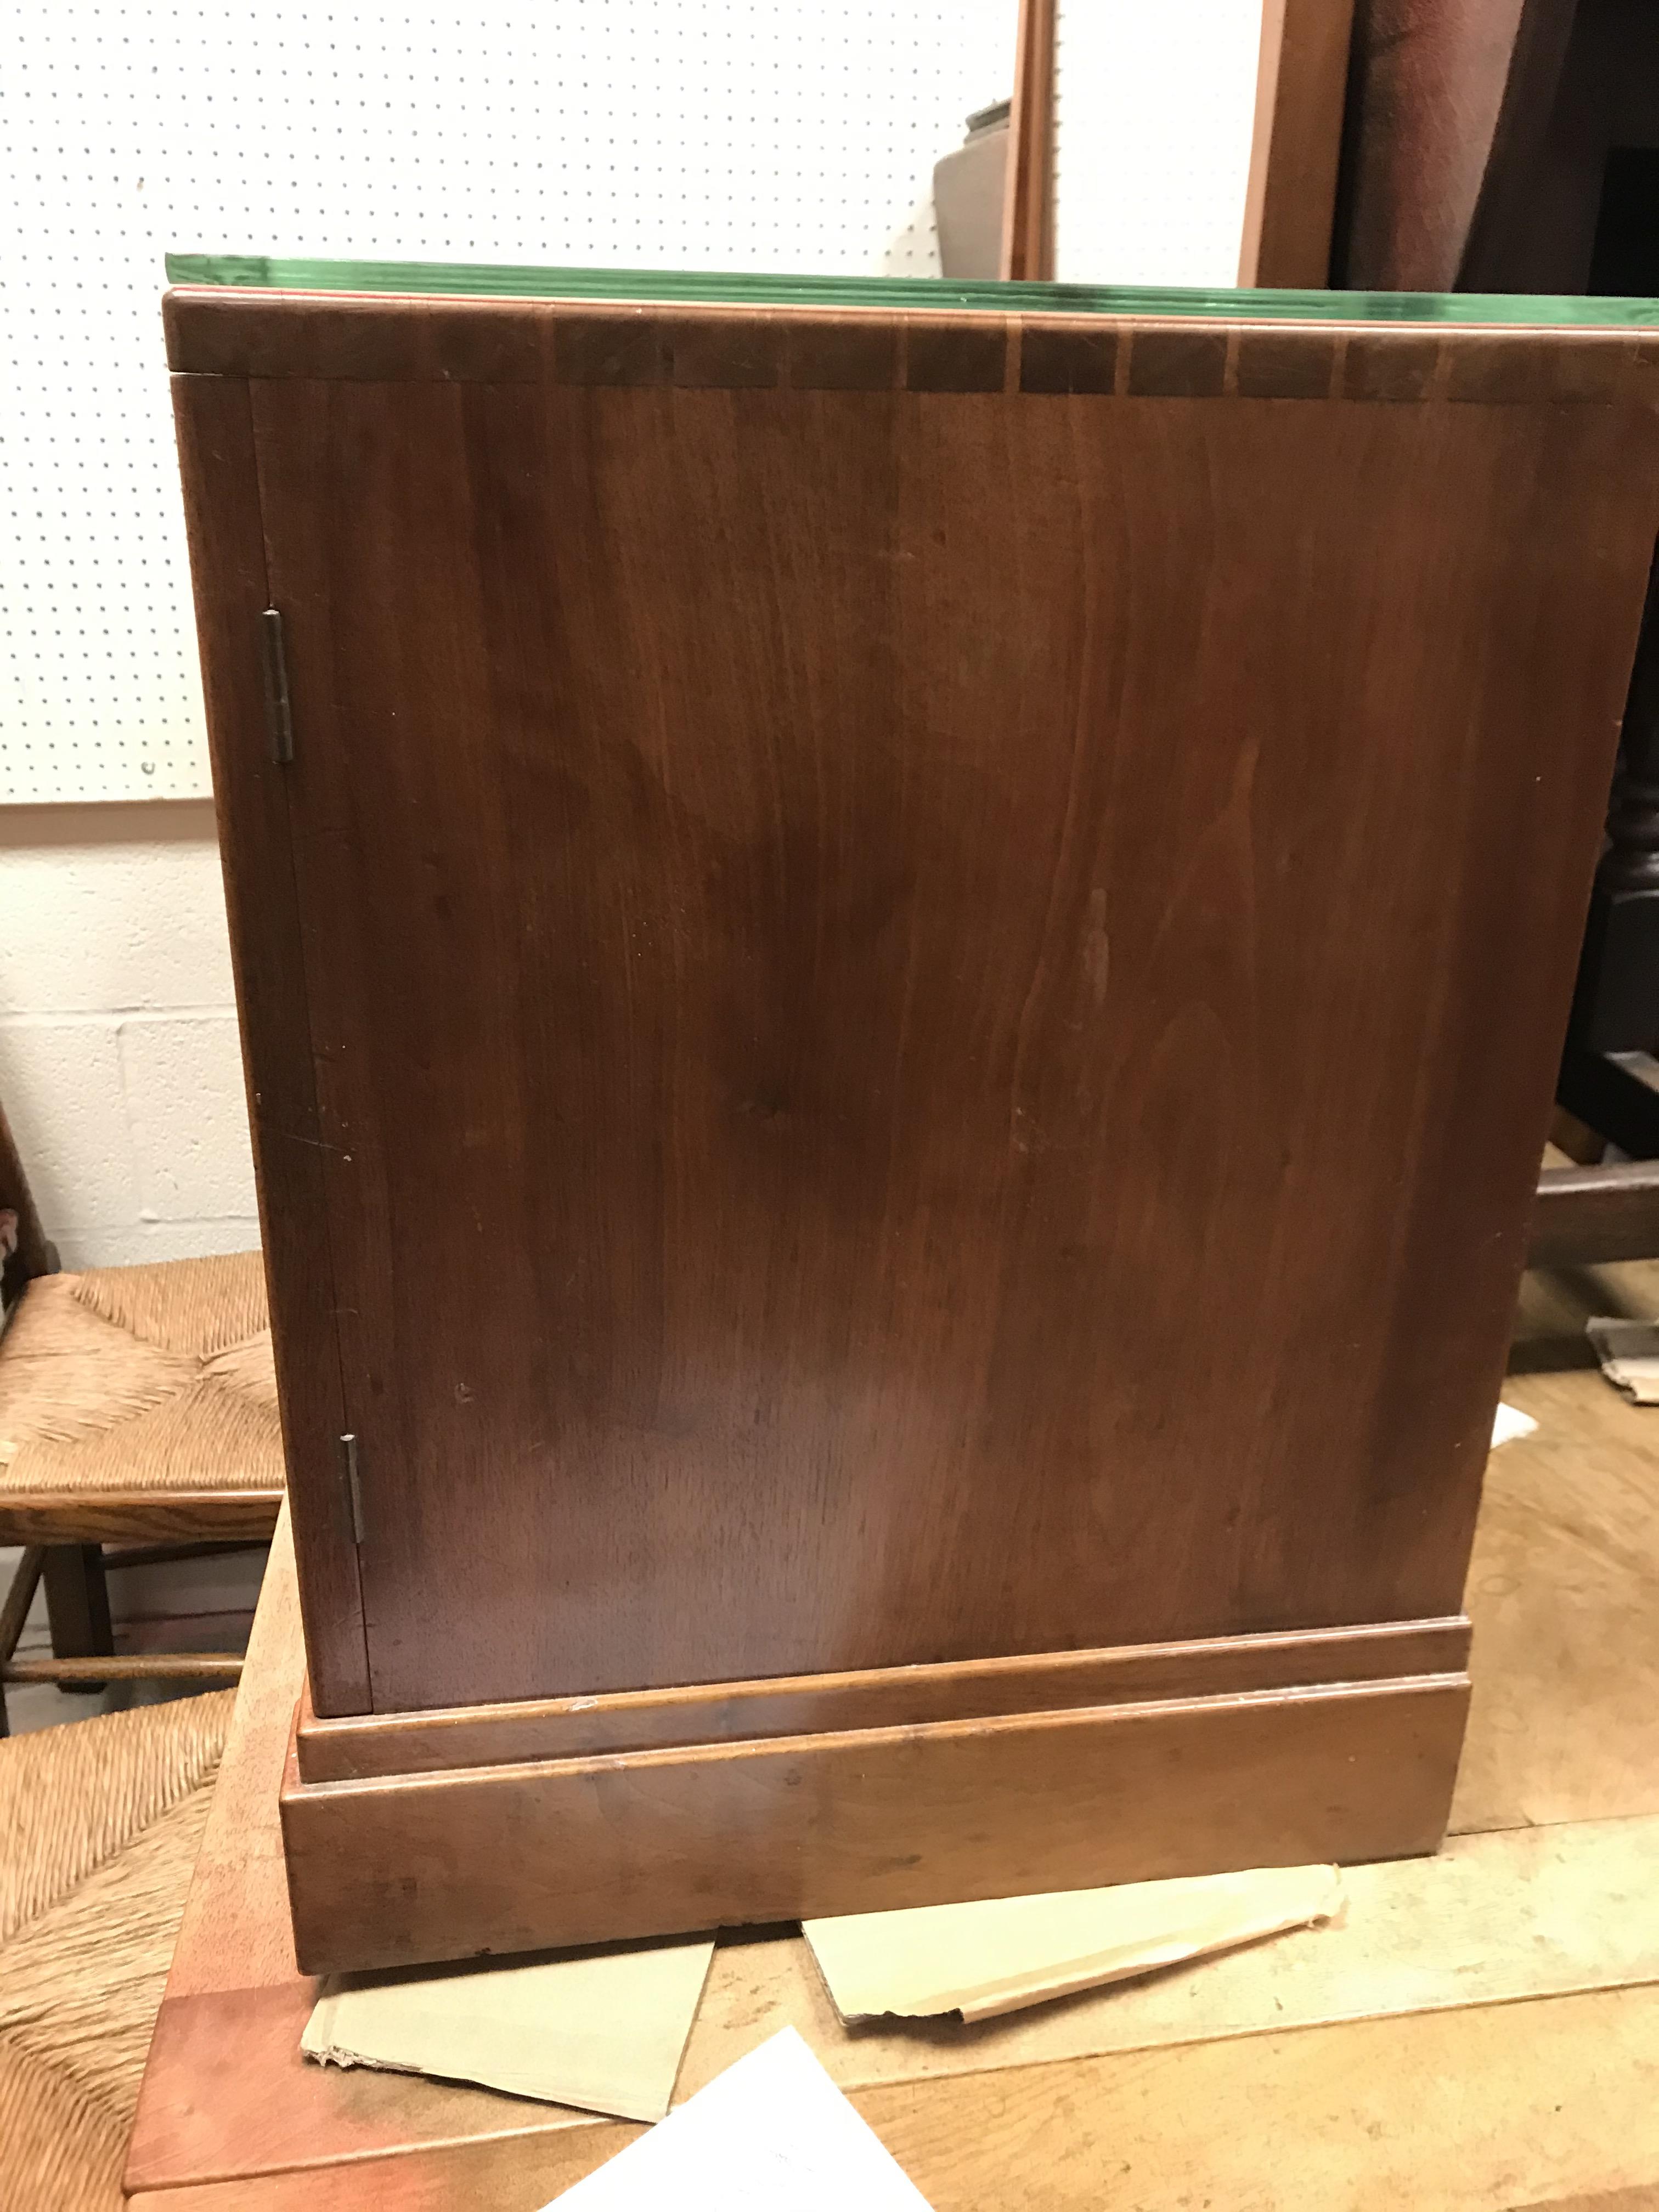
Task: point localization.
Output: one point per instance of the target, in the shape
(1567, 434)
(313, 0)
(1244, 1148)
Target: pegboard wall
(645, 133)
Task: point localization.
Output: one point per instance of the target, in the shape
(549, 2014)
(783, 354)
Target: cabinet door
(930, 1013)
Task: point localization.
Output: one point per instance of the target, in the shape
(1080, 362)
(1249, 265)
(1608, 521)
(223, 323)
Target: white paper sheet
(1510, 1424)
(772, 2134)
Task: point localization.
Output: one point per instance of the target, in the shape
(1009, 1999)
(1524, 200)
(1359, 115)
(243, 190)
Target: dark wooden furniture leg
(1612, 1212)
(14, 1612)
(1616, 1005)
(78, 1607)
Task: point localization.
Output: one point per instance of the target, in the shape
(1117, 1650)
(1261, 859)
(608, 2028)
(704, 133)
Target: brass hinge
(354, 1486)
(279, 718)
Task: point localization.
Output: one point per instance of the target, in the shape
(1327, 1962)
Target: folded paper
(994, 1956)
(602, 2030)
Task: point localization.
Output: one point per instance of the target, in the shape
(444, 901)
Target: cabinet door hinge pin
(354, 1486)
(279, 720)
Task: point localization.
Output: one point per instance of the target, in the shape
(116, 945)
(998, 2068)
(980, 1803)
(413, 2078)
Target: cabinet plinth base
(416, 1837)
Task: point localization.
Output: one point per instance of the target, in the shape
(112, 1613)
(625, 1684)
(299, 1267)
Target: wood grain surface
(932, 1009)
(1582, 1495)
(1027, 253)
(387, 338)
(358, 1748)
(1368, 2115)
(401, 1871)
(130, 1667)
(228, 567)
(52, 1517)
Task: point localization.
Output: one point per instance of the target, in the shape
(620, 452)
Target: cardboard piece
(602, 2030)
(995, 1956)
(771, 2134)
(1629, 1353)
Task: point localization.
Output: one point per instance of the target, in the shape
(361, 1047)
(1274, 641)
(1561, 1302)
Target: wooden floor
(1481, 2032)
(1564, 1586)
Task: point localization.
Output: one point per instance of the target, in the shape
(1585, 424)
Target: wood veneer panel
(855, 885)
(846, 931)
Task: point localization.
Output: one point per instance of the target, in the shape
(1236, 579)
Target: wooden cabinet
(901, 988)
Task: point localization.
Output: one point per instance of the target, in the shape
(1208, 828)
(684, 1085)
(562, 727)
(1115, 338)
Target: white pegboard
(1154, 109)
(630, 133)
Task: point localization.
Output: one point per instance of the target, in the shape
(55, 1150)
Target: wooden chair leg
(78, 1607)
(15, 1611)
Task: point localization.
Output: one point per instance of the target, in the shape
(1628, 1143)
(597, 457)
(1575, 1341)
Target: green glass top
(486, 280)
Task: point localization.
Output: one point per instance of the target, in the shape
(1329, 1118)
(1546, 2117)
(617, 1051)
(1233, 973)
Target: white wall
(120, 1067)
(1154, 111)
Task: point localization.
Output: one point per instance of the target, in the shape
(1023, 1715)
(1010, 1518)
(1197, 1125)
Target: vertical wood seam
(355, 1554)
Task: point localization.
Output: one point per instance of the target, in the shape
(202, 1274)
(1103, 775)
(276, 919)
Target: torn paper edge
(1198, 1939)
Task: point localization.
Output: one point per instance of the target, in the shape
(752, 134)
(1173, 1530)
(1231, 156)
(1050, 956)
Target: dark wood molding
(1028, 218)
(1296, 143)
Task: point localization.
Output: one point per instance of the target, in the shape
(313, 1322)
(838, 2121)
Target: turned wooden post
(1617, 1005)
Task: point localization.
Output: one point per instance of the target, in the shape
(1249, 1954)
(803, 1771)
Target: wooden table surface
(1483, 2031)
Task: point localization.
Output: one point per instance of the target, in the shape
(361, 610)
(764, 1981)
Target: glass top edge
(485, 280)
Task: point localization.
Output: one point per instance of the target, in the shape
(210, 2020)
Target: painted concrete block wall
(119, 1064)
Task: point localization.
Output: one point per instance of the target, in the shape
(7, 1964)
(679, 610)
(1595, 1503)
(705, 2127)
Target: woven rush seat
(100, 1823)
(138, 1424)
(150, 1383)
